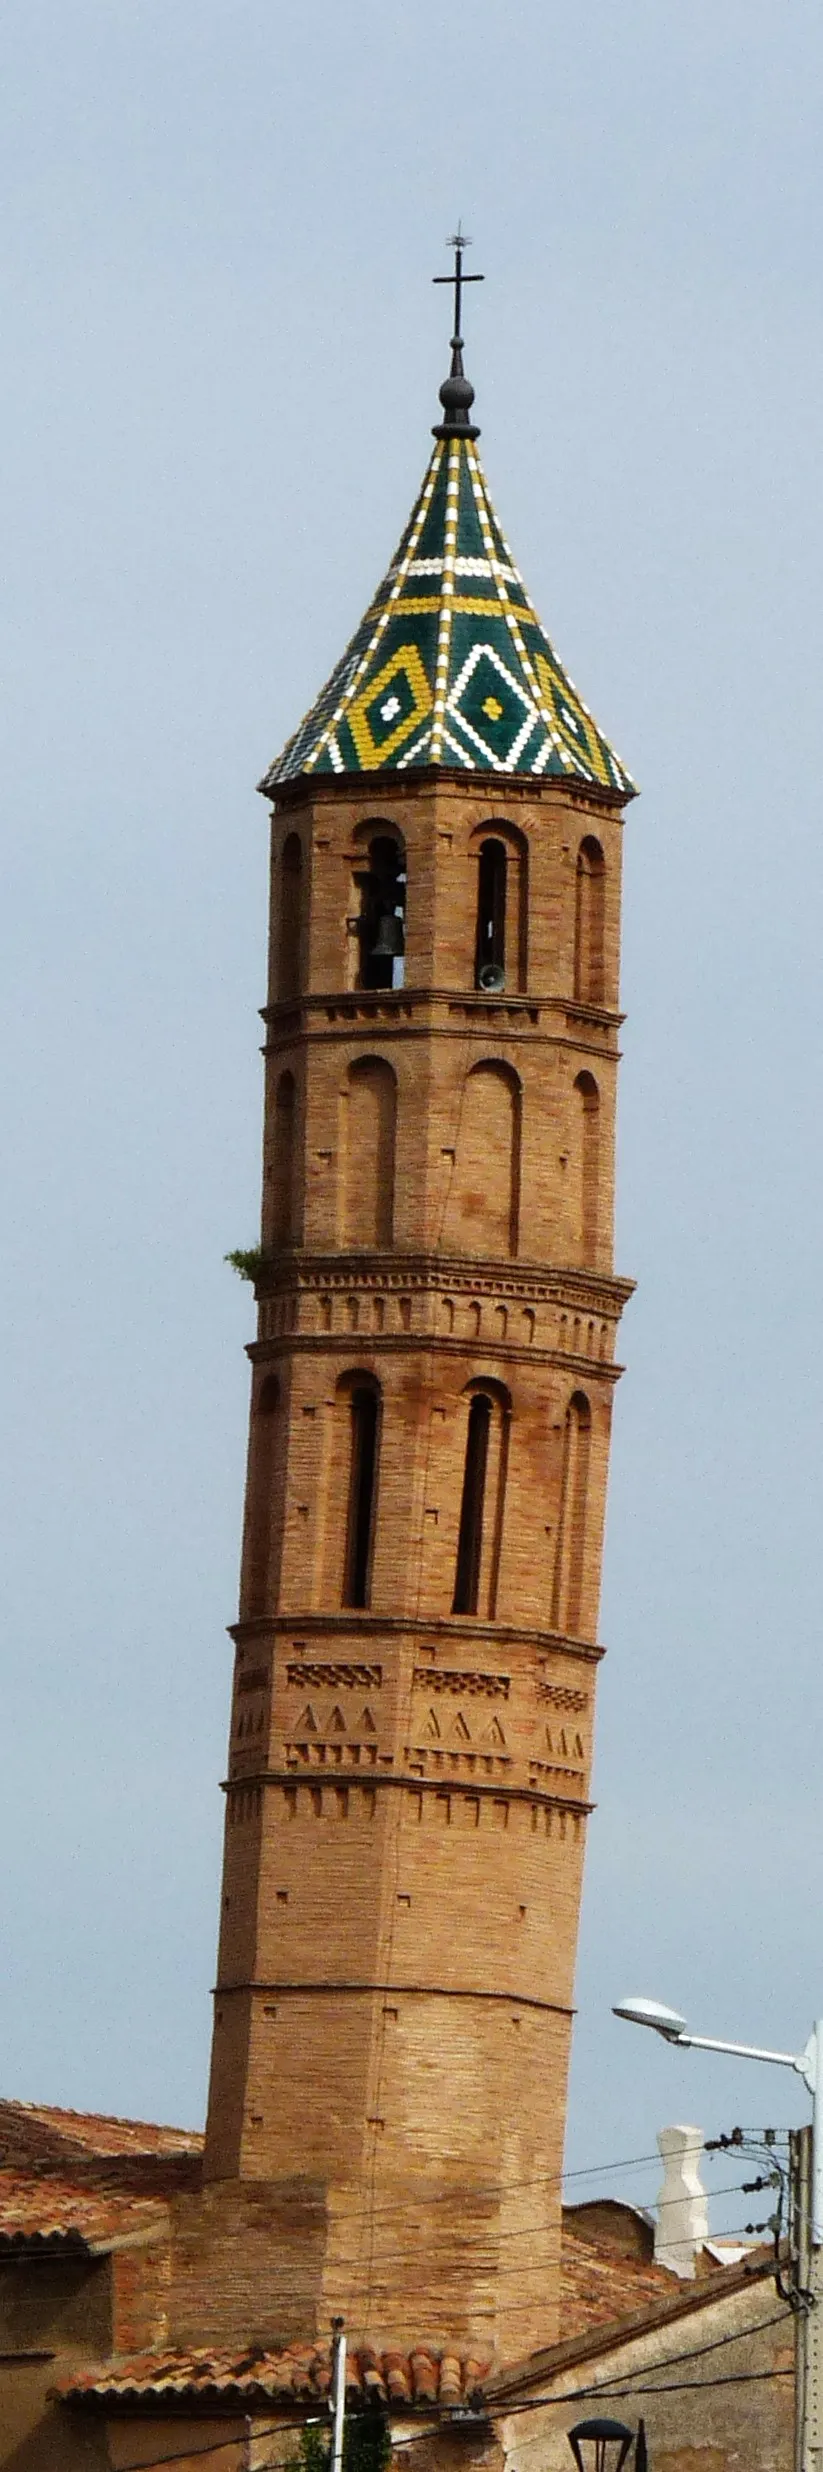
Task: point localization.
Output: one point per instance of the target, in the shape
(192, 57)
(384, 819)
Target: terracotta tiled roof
(56, 2212)
(301, 2374)
(34, 2133)
(80, 2178)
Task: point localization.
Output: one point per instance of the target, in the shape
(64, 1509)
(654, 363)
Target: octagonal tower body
(432, 1388)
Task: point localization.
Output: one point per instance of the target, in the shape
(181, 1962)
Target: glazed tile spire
(451, 667)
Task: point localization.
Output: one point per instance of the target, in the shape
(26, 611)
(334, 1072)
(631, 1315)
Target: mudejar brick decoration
(432, 1387)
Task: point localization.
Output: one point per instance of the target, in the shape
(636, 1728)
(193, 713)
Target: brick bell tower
(432, 1386)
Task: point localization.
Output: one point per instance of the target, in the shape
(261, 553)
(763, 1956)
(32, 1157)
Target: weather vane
(458, 242)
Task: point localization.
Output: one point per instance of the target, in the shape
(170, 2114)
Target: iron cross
(458, 242)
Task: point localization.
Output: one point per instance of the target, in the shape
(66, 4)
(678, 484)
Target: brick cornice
(448, 1628)
(403, 1343)
(369, 1780)
(498, 791)
(462, 1033)
(592, 1291)
(392, 1007)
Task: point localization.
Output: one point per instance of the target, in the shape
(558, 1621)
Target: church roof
(451, 666)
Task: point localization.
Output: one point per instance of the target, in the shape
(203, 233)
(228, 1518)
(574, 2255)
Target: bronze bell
(389, 937)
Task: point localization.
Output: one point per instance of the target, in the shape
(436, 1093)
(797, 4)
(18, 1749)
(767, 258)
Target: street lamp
(807, 2064)
(610, 2441)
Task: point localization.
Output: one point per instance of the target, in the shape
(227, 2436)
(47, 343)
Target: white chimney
(682, 2214)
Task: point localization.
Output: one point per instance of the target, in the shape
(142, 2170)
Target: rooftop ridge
(108, 2120)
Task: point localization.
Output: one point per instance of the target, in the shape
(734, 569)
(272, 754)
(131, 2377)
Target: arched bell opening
(380, 926)
(500, 853)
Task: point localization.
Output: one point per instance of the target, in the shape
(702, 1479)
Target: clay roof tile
(425, 2378)
(451, 2379)
(422, 2377)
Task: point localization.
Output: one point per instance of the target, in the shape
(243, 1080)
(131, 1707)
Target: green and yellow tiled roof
(450, 665)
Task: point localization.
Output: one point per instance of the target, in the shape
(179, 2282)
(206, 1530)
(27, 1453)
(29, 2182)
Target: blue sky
(219, 223)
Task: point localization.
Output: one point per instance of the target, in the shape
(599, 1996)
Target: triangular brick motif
(307, 1724)
(450, 665)
(557, 1744)
(431, 1729)
(460, 1731)
(367, 1722)
(337, 1722)
(494, 1733)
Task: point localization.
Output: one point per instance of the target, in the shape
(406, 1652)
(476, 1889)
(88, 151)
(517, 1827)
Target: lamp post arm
(807, 2064)
(750, 2051)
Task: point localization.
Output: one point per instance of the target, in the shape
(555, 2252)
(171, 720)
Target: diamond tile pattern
(450, 665)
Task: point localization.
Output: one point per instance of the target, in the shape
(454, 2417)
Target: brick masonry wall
(408, 1787)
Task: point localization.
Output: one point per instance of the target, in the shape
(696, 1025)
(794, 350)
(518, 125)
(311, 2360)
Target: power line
(575, 2394)
(490, 2272)
(488, 2237)
(497, 2409)
(423, 2437)
(701, 2351)
(504, 2188)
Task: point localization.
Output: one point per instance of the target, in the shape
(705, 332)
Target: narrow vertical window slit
(470, 1538)
(362, 1493)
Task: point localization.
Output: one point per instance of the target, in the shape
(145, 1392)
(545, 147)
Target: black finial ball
(456, 395)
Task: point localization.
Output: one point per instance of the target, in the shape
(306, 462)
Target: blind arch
(590, 923)
(283, 1161)
(290, 938)
(483, 1205)
(368, 1134)
(587, 1147)
(570, 1546)
(263, 1452)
